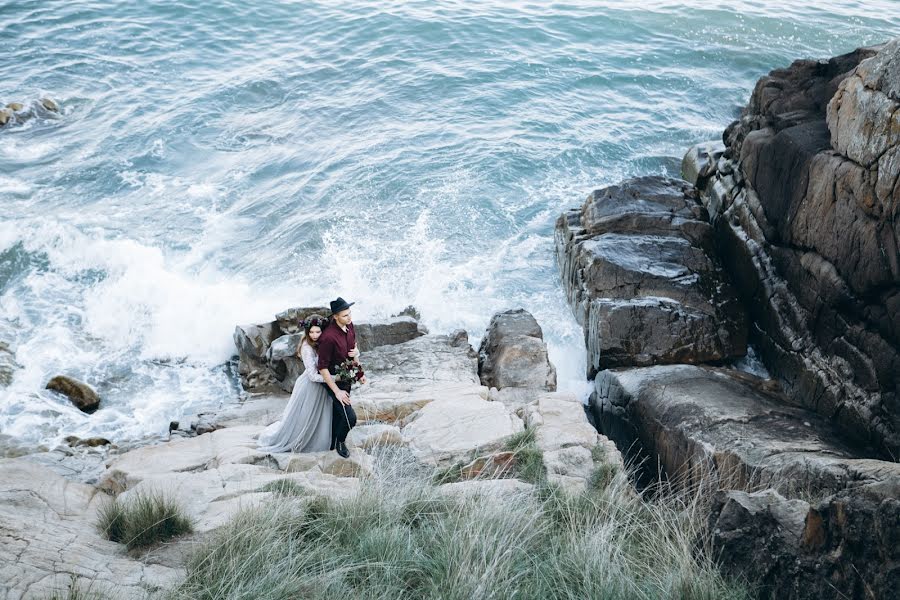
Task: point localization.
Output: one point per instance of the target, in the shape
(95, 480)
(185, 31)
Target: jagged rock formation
(639, 267)
(806, 201)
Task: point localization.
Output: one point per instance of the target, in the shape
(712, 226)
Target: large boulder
(252, 343)
(806, 204)
(80, 393)
(282, 359)
(698, 423)
(639, 270)
(513, 353)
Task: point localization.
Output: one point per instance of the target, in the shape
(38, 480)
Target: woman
(305, 425)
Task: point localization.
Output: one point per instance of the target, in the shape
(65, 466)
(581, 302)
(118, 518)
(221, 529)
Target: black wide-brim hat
(339, 305)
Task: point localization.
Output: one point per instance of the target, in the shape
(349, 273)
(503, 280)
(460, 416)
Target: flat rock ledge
(425, 402)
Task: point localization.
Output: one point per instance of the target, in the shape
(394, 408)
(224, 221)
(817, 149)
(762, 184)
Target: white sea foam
(11, 185)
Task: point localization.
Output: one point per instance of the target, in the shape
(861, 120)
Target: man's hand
(363, 380)
(343, 397)
(353, 353)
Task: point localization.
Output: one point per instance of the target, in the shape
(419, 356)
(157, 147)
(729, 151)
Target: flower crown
(313, 321)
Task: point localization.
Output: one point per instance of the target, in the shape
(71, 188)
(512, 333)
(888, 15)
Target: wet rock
(459, 338)
(74, 440)
(50, 104)
(410, 311)
(513, 353)
(282, 358)
(81, 394)
(15, 106)
(6, 116)
(252, 342)
(700, 161)
(640, 271)
(805, 209)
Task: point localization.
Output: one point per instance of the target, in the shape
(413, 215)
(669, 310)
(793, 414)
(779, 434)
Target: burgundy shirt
(334, 346)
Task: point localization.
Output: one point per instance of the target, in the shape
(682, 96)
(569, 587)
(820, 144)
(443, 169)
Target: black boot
(342, 450)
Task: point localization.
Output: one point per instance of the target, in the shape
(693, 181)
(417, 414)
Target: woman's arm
(309, 361)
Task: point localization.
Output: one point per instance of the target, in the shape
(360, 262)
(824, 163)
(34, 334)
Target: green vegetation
(401, 537)
(284, 487)
(142, 519)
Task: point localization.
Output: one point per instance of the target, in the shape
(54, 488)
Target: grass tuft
(142, 520)
(284, 487)
(76, 592)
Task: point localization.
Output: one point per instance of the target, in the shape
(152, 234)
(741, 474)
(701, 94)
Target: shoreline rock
(805, 201)
(640, 271)
(78, 392)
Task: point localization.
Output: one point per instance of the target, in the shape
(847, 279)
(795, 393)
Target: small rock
(81, 395)
(93, 442)
(409, 311)
(700, 161)
(5, 116)
(50, 105)
(459, 338)
(15, 106)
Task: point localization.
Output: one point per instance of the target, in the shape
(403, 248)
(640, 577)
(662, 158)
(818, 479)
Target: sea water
(216, 162)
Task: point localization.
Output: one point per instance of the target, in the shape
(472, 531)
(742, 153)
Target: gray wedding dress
(305, 425)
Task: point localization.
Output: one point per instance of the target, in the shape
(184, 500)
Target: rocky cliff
(785, 236)
(805, 198)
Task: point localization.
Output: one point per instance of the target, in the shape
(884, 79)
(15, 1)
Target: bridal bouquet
(349, 370)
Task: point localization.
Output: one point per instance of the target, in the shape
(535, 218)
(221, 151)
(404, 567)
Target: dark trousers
(343, 418)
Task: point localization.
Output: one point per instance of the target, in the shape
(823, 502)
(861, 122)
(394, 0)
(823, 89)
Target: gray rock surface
(48, 535)
(513, 353)
(639, 270)
(806, 204)
(428, 388)
(702, 422)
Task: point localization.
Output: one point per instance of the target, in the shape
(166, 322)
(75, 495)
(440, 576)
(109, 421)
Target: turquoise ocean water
(216, 162)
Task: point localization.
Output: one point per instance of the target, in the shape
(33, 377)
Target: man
(337, 344)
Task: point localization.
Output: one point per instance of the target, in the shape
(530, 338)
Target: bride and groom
(319, 414)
